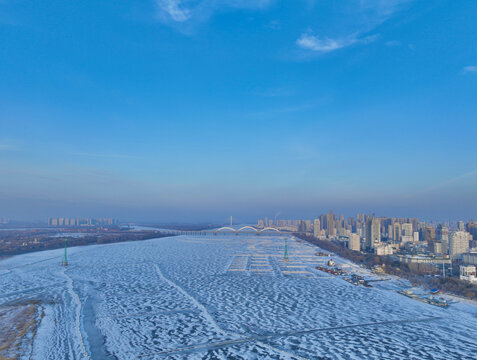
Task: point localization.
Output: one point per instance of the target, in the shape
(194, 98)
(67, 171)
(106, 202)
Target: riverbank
(420, 276)
(26, 242)
(18, 325)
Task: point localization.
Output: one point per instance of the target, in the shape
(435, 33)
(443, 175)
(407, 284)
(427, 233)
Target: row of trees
(24, 244)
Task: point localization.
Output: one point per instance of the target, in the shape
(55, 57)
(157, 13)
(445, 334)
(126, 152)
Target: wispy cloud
(380, 10)
(192, 12)
(173, 8)
(110, 156)
(317, 44)
(470, 69)
(361, 17)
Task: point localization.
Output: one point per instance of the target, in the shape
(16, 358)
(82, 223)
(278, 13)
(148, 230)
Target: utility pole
(65, 255)
(285, 256)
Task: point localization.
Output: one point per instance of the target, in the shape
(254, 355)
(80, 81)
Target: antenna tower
(285, 255)
(65, 255)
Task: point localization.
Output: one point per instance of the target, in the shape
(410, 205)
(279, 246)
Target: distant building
(415, 236)
(459, 243)
(467, 273)
(373, 232)
(442, 234)
(472, 229)
(73, 222)
(407, 229)
(437, 248)
(330, 224)
(470, 258)
(354, 242)
(383, 250)
(316, 228)
(390, 232)
(429, 233)
(308, 226)
(397, 232)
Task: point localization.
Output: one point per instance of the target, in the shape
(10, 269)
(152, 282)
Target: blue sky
(200, 109)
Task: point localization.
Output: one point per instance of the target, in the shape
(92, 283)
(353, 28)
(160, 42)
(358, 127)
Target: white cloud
(360, 17)
(317, 44)
(470, 69)
(196, 11)
(382, 9)
(174, 10)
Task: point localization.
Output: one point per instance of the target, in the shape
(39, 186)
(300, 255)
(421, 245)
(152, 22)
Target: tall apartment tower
(354, 242)
(406, 233)
(373, 232)
(407, 229)
(330, 224)
(442, 234)
(459, 243)
(390, 232)
(316, 227)
(397, 232)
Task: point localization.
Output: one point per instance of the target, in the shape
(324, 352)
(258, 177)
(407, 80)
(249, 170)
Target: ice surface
(224, 297)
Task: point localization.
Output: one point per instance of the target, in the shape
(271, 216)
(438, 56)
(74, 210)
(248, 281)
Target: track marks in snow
(78, 312)
(214, 324)
(194, 301)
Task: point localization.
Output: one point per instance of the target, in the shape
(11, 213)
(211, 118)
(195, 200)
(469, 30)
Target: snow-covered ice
(223, 297)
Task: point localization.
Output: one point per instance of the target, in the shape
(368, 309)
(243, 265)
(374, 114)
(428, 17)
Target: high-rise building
(415, 236)
(316, 228)
(308, 226)
(407, 229)
(373, 232)
(460, 226)
(415, 224)
(390, 232)
(330, 224)
(354, 242)
(472, 229)
(397, 232)
(459, 243)
(442, 234)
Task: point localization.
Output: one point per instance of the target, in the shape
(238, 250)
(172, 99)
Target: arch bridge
(245, 230)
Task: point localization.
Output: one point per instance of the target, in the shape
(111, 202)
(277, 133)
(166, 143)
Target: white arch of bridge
(271, 228)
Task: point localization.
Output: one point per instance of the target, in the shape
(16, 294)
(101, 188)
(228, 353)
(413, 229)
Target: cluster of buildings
(74, 222)
(407, 239)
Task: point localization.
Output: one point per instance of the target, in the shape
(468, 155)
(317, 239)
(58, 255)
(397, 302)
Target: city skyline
(194, 110)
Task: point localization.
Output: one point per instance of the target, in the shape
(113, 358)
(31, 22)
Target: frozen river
(223, 297)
